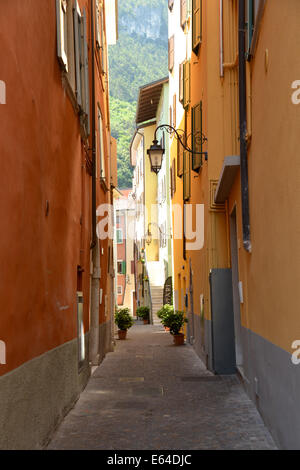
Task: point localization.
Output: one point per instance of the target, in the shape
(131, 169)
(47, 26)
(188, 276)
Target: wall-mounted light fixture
(149, 234)
(156, 151)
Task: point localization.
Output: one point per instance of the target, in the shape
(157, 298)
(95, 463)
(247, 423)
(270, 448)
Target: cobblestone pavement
(149, 394)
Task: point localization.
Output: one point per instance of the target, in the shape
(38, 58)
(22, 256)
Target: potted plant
(163, 313)
(124, 321)
(175, 321)
(144, 314)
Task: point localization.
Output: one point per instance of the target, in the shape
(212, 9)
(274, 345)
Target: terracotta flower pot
(122, 334)
(146, 321)
(178, 339)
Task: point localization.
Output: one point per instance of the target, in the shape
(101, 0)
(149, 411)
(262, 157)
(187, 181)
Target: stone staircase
(157, 301)
(156, 278)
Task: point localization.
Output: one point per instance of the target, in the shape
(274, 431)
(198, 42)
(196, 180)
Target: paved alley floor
(149, 394)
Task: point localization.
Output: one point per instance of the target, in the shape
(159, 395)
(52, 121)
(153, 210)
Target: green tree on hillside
(134, 61)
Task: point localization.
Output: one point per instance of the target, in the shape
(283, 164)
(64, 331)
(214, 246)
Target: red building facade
(56, 275)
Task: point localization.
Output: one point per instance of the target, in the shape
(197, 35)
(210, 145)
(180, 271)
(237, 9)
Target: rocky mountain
(139, 57)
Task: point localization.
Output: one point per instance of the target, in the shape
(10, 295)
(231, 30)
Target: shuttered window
(183, 12)
(174, 111)
(61, 30)
(197, 136)
(186, 175)
(85, 78)
(186, 83)
(174, 175)
(78, 49)
(101, 146)
(171, 53)
(119, 235)
(170, 4)
(173, 178)
(99, 30)
(196, 24)
(180, 96)
(72, 51)
(180, 150)
(170, 116)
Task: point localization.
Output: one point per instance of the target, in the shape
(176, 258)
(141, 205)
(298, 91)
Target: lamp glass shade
(155, 155)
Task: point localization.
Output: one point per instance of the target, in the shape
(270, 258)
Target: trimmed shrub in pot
(175, 321)
(144, 314)
(164, 312)
(124, 321)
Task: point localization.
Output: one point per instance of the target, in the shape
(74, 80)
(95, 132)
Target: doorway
(235, 290)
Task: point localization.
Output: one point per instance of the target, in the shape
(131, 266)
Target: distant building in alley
(124, 207)
(58, 168)
(153, 250)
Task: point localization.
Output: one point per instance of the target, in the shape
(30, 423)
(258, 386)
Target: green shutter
(123, 267)
(77, 45)
(119, 236)
(250, 24)
(197, 136)
(186, 175)
(196, 24)
(186, 83)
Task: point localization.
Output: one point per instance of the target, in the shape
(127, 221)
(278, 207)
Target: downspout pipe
(243, 129)
(94, 220)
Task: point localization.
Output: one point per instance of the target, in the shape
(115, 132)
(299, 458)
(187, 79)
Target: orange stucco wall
(43, 163)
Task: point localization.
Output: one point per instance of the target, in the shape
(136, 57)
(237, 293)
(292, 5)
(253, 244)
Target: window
(180, 150)
(183, 12)
(119, 290)
(170, 4)
(181, 84)
(72, 52)
(170, 116)
(196, 24)
(186, 83)
(100, 31)
(173, 178)
(186, 175)
(101, 146)
(62, 40)
(252, 7)
(174, 111)
(197, 135)
(121, 267)
(119, 235)
(171, 53)
(80, 328)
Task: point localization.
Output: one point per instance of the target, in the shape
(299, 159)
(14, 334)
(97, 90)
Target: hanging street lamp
(156, 151)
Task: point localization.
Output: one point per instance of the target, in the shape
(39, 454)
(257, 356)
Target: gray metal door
(223, 343)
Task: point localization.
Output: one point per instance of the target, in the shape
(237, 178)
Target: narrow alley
(149, 394)
(150, 223)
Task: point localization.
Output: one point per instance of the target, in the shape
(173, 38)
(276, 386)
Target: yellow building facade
(239, 290)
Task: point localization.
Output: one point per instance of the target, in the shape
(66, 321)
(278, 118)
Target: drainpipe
(221, 40)
(243, 129)
(95, 281)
